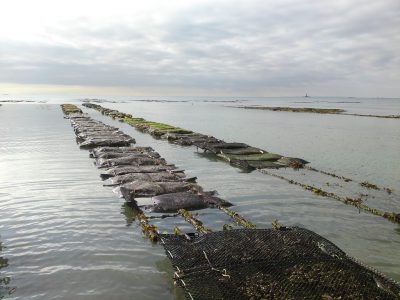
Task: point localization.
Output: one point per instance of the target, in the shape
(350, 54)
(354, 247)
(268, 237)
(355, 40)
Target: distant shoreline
(22, 101)
(331, 111)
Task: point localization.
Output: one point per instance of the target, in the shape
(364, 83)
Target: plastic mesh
(294, 263)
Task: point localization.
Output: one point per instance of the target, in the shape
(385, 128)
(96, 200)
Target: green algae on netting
(133, 121)
(143, 122)
(155, 127)
(196, 223)
(237, 218)
(70, 109)
(243, 151)
(251, 157)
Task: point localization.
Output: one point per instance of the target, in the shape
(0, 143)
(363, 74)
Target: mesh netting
(294, 263)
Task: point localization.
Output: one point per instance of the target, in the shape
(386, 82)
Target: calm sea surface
(65, 236)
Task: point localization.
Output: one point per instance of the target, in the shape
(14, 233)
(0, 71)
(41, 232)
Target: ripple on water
(68, 237)
(65, 234)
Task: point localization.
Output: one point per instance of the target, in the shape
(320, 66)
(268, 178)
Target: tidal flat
(66, 236)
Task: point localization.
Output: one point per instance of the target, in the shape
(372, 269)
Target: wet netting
(286, 263)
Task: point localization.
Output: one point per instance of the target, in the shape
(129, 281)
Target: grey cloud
(233, 45)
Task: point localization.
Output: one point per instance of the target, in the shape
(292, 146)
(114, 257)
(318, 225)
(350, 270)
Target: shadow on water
(165, 267)
(162, 265)
(397, 230)
(130, 213)
(5, 289)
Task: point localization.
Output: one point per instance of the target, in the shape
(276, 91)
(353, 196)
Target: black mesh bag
(291, 263)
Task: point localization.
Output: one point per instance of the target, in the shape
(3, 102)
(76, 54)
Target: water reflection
(5, 289)
(165, 267)
(130, 213)
(72, 238)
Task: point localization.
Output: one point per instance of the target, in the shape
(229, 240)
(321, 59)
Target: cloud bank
(247, 47)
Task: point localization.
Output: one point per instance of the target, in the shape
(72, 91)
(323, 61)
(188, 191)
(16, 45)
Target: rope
(197, 224)
(391, 216)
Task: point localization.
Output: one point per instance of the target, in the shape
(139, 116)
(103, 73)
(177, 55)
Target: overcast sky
(233, 48)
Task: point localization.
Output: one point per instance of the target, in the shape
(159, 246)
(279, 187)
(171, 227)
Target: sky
(200, 47)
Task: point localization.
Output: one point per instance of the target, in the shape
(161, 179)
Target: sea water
(65, 236)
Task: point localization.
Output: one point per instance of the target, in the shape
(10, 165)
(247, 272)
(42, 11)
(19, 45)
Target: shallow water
(359, 147)
(68, 237)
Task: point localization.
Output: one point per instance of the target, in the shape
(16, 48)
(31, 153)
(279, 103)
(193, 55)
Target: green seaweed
(369, 185)
(155, 128)
(237, 218)
(160, 126)
(278, 226)
(197, 224)
(70, 109)
(133, 121)
(243, 151)
(149, 229)
(178, 231)
(391, 216)
(227, 227)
